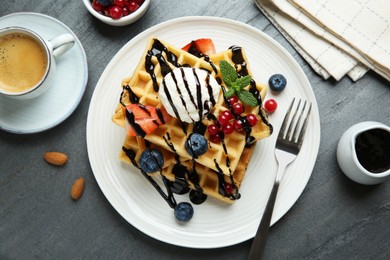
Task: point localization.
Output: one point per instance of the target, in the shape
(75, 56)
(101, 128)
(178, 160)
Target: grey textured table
(333, 219)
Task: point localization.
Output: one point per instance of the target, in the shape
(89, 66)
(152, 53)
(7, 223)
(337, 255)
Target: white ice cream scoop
(189, 93)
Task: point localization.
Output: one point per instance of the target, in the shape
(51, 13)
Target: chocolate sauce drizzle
(157, 50)
(194, 51)
(222, 184)
(181, 172)
(133, 98)
(168, 197)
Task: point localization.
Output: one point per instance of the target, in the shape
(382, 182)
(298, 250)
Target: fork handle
(260, 239)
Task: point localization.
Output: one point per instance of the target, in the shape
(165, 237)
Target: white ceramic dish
(68, 84)
(125, 20)
(214, 224)
(348, 159)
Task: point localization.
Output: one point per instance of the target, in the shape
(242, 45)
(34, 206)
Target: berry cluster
(228, 121)
(116, 9)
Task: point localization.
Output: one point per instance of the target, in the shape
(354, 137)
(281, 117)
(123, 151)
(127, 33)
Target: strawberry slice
(142, 120)
(187, 47)
(205, 46)
(200, 47)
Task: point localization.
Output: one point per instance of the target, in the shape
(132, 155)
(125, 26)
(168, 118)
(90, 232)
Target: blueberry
(196, 145)
(105, 2)
(184, 211)
(151, 160)
(277, 82)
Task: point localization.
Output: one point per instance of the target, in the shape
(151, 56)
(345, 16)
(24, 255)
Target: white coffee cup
(28, 62)
(347, 155)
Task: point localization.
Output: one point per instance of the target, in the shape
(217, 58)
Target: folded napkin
(337, 38)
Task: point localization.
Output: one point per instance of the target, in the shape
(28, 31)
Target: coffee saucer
(62, 98)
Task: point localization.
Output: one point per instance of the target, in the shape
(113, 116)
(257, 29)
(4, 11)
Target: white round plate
(62, 98)
(214, 224)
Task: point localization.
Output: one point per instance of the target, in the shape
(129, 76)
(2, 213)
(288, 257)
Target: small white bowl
(347, 158)
(125, 20)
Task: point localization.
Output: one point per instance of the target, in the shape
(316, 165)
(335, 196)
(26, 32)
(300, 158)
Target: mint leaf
(236, 85)
(230, 92)
(247, 98)
(243, 81)
(229, 74)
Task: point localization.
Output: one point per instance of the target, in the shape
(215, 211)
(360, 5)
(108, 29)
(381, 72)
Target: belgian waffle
(223, 156)
(224, 162)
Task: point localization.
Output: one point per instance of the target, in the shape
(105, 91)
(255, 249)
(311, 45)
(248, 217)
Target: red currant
(115, 12)
(120, 3)
(270, 105)
(213, 129)
(228, 188)
(97, 7)
(227, 114)
(228, 128)
(233, 99)
(252, 119)
(238, 124)
(125, 11)
(140, 2)
(238, 108)
(133, 6)
(216, 138)
(223, 119)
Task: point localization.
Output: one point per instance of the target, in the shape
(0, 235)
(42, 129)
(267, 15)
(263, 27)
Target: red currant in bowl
(103, 10)
(115, 12)
(120, 3)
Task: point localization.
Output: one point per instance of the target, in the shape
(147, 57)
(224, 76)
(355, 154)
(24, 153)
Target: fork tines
(293, 127)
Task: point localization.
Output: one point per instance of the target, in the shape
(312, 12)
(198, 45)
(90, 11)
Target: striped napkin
(337, 38)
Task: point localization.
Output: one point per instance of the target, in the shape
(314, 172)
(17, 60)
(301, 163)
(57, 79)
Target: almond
(55, 158)
(77, 188)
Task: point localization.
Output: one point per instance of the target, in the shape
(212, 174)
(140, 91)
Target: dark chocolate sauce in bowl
(373, 150)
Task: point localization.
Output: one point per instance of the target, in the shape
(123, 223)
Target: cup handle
(62, 44)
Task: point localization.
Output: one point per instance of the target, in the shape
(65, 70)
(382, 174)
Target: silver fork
(287, 147)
